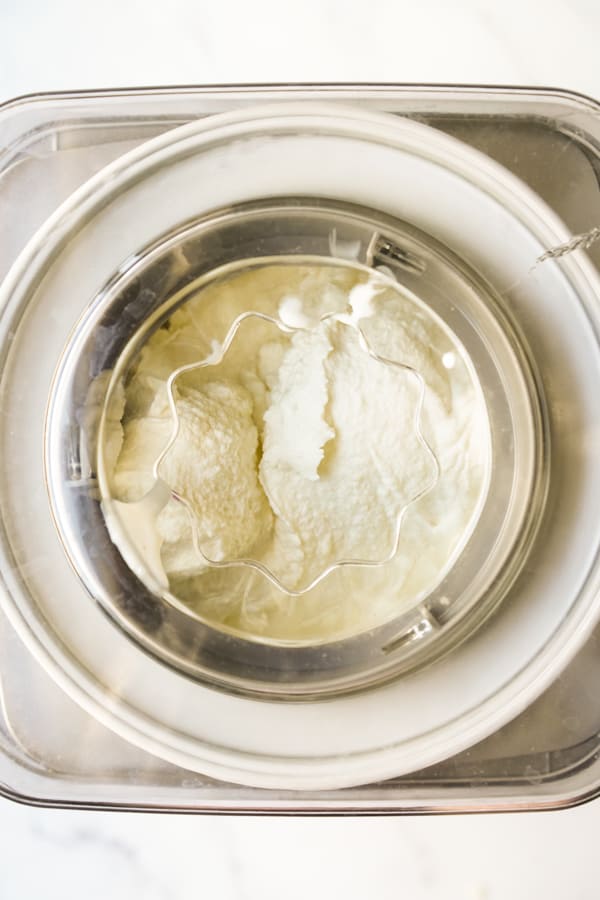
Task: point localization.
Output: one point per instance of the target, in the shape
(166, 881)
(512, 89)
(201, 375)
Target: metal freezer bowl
(52, 752)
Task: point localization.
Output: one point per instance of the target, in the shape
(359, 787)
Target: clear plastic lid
(225, 231)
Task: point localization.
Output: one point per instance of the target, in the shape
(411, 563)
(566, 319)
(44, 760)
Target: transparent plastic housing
(541, 420)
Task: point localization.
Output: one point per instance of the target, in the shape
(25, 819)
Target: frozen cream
(298, 449)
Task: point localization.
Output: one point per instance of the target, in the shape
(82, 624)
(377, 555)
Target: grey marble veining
(134, 43)
(58, 854)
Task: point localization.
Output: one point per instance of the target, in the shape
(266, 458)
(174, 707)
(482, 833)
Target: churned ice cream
(348, 426)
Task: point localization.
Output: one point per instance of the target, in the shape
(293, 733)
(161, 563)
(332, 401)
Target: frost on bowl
(283, 419)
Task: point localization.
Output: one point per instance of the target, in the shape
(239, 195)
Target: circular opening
(302, 591)
(311, 437)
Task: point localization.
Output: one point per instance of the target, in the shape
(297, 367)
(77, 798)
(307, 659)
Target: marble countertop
(68, 44)
(57, 854)
(145, 42)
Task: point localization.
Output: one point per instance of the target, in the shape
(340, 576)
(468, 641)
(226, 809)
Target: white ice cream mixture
(298, 449)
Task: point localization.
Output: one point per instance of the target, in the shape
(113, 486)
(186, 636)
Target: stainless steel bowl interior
(145, 292)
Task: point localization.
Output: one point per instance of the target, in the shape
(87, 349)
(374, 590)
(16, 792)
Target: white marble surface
(70, 44)
(59, 855)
